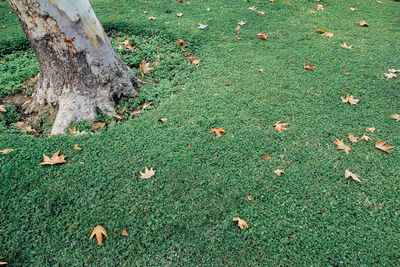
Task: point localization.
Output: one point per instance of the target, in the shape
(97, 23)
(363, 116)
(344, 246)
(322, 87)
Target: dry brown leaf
(308, 67)
(279, 172)
(252, 8)
(280, 126)
(344, 45)
(266, 157)
(249, 197)
(76, 147)
(147, 173)
(180, 42)
(320, 7)
(353, 9)
(363, 23)
(395, 116)
(241, 23)
(241, 223)
(320, 31)
(6, 151)
(366, 138)
(146, 67)
(74, 131)
(55, 159)
(350, 99)
(99, 231)
(179, 15)
(2, 109)
(393, 70)
(217, 131)
(371, 129)
(24, 127)
(163, 119)
(237, 28)
(353, 138)
(341, 146)
(390, 75)
(349, 174)
(382, 146)
(327, 34)
(3, 262)
(260, 12)
(152, 18)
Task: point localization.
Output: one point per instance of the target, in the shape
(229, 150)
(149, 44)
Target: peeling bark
(79, 69)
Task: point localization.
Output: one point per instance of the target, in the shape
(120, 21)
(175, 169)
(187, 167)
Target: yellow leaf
(353, 138)
(241, 223)
(99, 231)
(382, 146)
(55, 159)
(342, 146)
(366, 138)
(363, 23)
(76, 147)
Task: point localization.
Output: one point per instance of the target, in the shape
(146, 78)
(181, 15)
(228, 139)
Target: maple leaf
(395, 116)
(320, 7)
(308, 67)
(263, 36)
(180, 42)
(55, 159)
(390, 75)
(152, 18)
(349, 99)
(260, 70)
(342, 146)
(125, 43)
(249, 197)
(2, 109)
(381, 145)
(76, 132)
(202, 26)
(6, 151)
(363, 23)
(24, 127)
(349, 174)
(252, 8)
(320, 31)
(280, 126)
(352, 9)
(344, 45)
(260, 12)
(366, 138)
(327, 34)
(179, 15)
(371, 129)
(393, 70)
(124, 233)
(147, 173)
(146, 67)
(353, 138)
(266, 157)
(99, 231)
(76, 147)
(241, 23)
(241, 223)
(279, 172)
(217, 131)
(162, 119)
(237, 28)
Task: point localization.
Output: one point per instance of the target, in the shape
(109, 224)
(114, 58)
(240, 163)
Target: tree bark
(79, 70)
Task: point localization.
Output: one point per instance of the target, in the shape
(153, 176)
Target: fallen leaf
(237, 28)
(363, 23)
(266, 157)
(279, 172)
(342, 146)
(390, 75)
(2, 109)
(320, 7)
(249, 198)
(24, 127)
(163, 119)
(349, 174)
(263, 36)
(366, 138)
(99, 231)
(381, 145)
(76, 147)
(395, 116)
(252, 8)
(241, 223)
(3, 262)
(353, 138)
(327, 34)
(344, 45)
(280, 126)
(349, 99)
(260, 12)
(308, 67)
(371, 129)
(352, 9)
(127, 44)
(179, 15)
(192, 59)
(146, 67)
(180, 42)
(55, 159)
(202, 26)
(152, 18)
(260, 70)
(393, 70)
(146, 106)
(241, 23)
(320, 31)
(124, 233)
(6, 151)
(217, 131)
(147, 173)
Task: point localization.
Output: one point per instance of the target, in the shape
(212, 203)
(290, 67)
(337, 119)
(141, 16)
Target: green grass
(201, 182)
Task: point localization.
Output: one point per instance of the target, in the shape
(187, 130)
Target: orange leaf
(99, 231)
(280, 126)
(366, 138)
(308, 67)
(342, 146)
(381, 145)
(263, 36)
(241, 223)
(363, 23)
(371, 129)
(124, 233)
(353, 138)
(217, 131)
(266, 157)
(76, 147)
(395, 116)
(6, 151)
(55, 159)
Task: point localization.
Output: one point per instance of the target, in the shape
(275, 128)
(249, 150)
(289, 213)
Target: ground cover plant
(281, 91)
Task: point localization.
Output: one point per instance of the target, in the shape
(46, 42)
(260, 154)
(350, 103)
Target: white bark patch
(81, 10)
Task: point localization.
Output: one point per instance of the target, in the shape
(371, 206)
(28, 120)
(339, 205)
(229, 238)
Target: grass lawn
(312, 215)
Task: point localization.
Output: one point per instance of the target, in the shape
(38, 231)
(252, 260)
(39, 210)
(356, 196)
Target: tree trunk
(79, 69)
